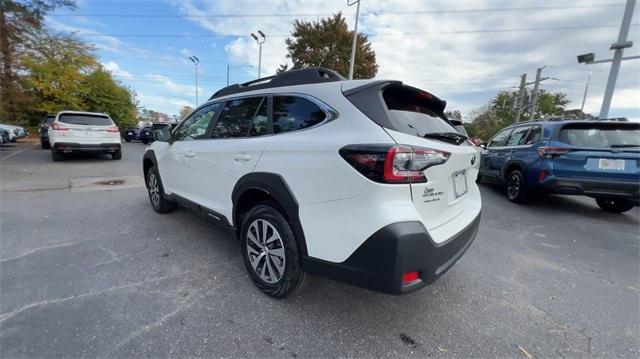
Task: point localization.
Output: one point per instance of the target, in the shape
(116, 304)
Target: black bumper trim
(70, 147)
(593, 188)
(380, 262)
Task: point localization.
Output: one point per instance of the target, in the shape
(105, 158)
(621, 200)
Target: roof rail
(310, 75)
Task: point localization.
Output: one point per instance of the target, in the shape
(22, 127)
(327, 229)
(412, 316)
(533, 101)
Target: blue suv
(599, 159)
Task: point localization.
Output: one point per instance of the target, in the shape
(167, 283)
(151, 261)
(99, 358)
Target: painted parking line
(16, 152)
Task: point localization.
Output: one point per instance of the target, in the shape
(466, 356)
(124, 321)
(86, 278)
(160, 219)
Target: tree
(20, 21)
(185, 111)
(104, 94)
(500, 112)
(327, 43)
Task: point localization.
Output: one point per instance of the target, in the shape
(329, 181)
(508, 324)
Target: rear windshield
(79, 119)
(601, 135)
(410, 112)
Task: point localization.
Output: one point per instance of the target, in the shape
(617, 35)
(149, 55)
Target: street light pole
(196, 62)
(584, 97)
(260, 41)
(355, 38)
(619, 47)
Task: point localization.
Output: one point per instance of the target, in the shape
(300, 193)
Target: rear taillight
(58, 127)
(113, 129)
(393, 164)
(551, 152)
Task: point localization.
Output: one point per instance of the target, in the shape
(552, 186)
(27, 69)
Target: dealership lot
(88, 269)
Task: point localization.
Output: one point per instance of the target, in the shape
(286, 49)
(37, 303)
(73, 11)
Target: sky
(463, 51)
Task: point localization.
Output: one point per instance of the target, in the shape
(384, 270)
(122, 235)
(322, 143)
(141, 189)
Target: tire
(614, 205)
(279, 252)
(514, 183)
(57, 156)
(158, 199)
(116, 155)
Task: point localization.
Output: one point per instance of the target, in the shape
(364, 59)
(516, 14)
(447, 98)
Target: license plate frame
(608, 164)
(460, 187)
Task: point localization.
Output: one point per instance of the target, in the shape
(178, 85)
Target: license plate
(460, 183)
(607, 164)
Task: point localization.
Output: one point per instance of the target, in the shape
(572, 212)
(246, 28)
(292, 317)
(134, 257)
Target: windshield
(601, 135)
(82, 119)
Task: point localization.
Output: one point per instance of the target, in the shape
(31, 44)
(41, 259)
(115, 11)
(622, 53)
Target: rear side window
(535, 135)
(88, 120)
(291, 113)
(500, 139)
(518, 136)
(601, 135)
(411, 112)
(237, 117)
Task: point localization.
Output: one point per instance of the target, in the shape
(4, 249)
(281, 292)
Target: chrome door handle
(242, 157)
(189, 154)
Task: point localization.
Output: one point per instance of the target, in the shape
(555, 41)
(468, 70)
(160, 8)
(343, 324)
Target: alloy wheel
(266, 251)
(154, 190)
(513, 185)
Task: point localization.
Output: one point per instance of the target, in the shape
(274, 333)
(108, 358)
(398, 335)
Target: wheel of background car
(57, 156)
(157, 197)
(614, 205)
(515, 187)
(271, 253)
(116, 155)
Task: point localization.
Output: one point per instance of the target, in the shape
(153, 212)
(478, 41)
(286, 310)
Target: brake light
(393, 164)
(423, 95)
(551, 151)
(113, 129)
(410, 277)
(56, 126)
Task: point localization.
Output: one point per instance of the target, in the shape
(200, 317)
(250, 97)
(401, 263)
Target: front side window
(500, 139)
(195, 127)
(518, 136)
(291, 113)
(240, 116)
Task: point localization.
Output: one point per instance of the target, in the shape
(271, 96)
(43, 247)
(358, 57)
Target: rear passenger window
(518, 136)
(238, 117)
(292, 113)
(500, 139)
(534, 136)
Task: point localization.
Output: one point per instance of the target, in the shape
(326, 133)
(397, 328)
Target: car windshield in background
(408, 114)
(622, 135)
(91, 120)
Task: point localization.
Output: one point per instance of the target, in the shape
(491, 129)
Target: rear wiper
(450, 137)
(622, 146)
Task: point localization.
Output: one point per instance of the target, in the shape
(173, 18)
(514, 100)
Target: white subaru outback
(76, 131)
(363, 181)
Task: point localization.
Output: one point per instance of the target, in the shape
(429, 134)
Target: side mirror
(483, 146)
(162, 135)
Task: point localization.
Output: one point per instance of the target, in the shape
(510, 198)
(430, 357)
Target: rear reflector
(542, 176)
(410, 277)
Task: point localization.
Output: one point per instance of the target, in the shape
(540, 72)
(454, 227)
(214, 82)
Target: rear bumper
(593, 188)
(381, 261)
(71, 147)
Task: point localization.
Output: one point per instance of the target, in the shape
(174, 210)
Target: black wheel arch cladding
(276, 187)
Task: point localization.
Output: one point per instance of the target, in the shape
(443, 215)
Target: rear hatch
(87, 126)
(414, 117)
(598, 151)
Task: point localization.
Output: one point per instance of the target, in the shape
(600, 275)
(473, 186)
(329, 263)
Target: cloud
(115, 70)
(170, 85)
(100, 41)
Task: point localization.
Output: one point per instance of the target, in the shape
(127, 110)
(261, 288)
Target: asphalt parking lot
(87, 269)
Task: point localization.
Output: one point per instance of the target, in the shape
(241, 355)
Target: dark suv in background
(44, 131)
(599, 159)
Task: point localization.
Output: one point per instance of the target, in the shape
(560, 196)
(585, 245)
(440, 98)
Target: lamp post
(235, 67)
(196, 62)
(355, 38)
(260, 41)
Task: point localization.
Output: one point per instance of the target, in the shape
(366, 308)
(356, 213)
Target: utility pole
(227, 74)
(355, 38)
(534, 103)
(196, 62)
(619, 47)
(260, 42)
(523, 81)
(584, 97)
